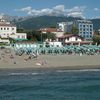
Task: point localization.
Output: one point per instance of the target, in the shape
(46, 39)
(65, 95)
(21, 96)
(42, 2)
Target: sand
(48, 61)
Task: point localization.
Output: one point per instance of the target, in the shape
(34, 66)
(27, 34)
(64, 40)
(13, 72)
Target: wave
(24, 74)
(78, 70)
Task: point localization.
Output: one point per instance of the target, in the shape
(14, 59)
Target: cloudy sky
(76, 8)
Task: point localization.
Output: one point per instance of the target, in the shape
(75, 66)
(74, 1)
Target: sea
(50, 84)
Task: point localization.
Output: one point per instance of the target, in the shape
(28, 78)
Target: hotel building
(85, 28)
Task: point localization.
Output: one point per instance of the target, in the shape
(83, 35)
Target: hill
(96, 23)
(33, 23)
(42, 21)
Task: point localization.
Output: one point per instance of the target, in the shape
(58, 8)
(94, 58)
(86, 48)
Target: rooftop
(70, 35)
(49, 30)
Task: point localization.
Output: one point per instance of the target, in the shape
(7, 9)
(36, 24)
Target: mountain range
(34, 23)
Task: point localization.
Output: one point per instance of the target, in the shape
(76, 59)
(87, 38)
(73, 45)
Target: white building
(65, 26)
(55, 44)
(98, 31)
(62, 26)
(7, 30)
(72, 39)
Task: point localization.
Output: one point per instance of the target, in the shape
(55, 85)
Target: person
(14, 62)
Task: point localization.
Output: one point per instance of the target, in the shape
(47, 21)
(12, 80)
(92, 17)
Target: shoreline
(48, 69)
(42, 68)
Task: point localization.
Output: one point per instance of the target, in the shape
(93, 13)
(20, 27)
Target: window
(87, 29)
(83, 25)
(68, 38)
(87, 32)
(87, 36)
(83, 29)
(4, 28)
(12, 33)
(80, 29)
(12, 28)
(23, 37)
(83, 32)
(7, 28)
(80, 25)
(18, 36)
(1, 28)
(76, 38)
(90, 29)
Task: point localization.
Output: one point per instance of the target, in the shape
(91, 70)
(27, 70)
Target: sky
(75, 8)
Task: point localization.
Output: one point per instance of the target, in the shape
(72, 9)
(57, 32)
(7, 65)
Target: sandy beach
(11, 61)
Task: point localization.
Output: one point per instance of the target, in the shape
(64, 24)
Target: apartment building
(85, 28)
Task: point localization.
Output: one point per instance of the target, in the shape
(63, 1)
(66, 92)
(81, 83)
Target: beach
(12, 61)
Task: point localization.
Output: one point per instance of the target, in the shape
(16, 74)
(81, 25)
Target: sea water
(48, 84)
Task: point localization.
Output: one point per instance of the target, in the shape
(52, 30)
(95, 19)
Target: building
(98, 32)
(7, 30)
(65, 26)
(72, 39)
(53, 44)
(62, 26)
(56, 31)
(85, 28)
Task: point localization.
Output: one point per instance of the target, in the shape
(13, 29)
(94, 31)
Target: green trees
(96, 39)
(51, 36)
(67, 33)
(74, 30)
(38, 36)
(33, 35)
(21, 30)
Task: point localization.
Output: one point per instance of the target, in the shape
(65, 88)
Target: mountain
(96, 23)
(11, 18)
(33, 23)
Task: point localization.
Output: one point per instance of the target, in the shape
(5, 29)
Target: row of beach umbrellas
(68, 49)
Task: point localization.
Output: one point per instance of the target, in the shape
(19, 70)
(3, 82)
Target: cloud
(96, 9)
(58, 10)
(1, 15)
(76, 11)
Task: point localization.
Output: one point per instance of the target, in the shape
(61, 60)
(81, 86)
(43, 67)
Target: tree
(67, 33)
(74, 30)
(51, 36)
(12, 41)
(21, 30)
(96, 39)
(39, 36)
